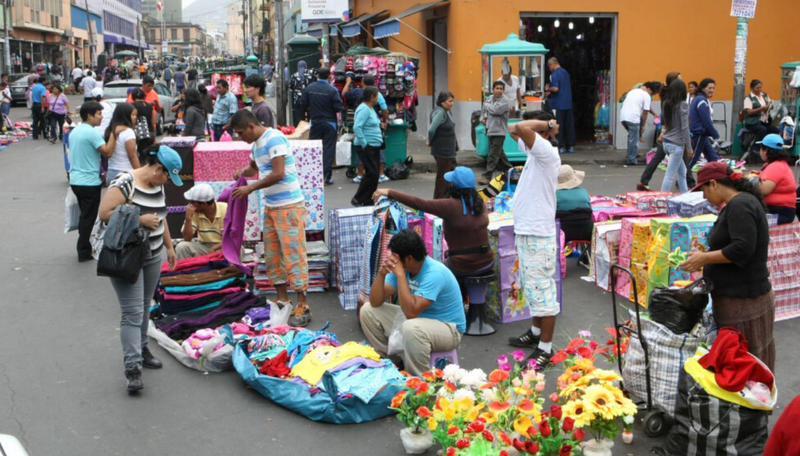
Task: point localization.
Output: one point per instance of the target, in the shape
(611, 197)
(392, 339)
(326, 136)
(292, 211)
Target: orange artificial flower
(499, 407)
(526, 406)
(428, 376)
(413, 382)
(424, 411)
(398, 399)
(450, 387)
(439, 373)
(497, 376)
(559, 356)
(423, 388)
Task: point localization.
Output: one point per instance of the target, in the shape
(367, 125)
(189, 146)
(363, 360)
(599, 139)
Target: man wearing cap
(205, 220)
(322, 102)
(284, 213)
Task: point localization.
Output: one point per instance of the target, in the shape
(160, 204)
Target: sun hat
(569, 178)
(772, 141)
(714, 171)
(201, 193)
(172, 163)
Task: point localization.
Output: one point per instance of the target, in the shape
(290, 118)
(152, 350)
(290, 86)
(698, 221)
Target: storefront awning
(391, 26)
(316, 31)
(353, 28)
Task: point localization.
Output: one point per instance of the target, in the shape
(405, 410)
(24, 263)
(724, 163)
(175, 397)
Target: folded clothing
(200, 278)
(216, 264)
(193, 262)
(237, 281)
(232, 309)
(175, 297)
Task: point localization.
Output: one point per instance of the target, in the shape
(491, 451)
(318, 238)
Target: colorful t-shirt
(270, 145)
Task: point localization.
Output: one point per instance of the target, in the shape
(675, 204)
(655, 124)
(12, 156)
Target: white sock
(536, 331)
(546, 346)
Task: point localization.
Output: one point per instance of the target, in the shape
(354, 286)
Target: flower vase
(594, 447)
(627, 437)
(416, 442)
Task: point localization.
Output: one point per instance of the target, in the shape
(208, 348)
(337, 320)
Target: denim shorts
(537, 264)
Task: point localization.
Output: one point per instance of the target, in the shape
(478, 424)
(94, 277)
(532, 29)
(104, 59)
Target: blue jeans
(633, 141)
(5, 108)
(676, 168)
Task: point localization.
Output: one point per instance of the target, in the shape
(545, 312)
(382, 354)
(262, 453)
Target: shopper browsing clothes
(322, 102)
(86, 145)
(428, 296)
(284, 216)
(494, 115)
(534, 208)
(736, 260)
(442, 141)
(202, 229)
(144, 188)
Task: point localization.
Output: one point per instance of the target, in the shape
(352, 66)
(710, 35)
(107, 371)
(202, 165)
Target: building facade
(122, 25)
(627, 42)
(183, 39)
(171, 10)
(39, 32)
(87, 30)
(233, 31)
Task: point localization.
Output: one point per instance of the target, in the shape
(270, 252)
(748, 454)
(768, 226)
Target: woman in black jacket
(442, 141)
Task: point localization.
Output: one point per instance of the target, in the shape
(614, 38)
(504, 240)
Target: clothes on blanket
(256, 315)
(277, 366)
(317, 361)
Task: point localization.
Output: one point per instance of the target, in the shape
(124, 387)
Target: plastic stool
(476, 315)
(447, 357)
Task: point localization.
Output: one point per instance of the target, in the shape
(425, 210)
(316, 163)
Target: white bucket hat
(569, 178)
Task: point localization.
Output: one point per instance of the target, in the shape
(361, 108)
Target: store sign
(743, 8)
(164, 46)
(323, 10)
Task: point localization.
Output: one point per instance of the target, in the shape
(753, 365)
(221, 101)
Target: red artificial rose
(565, 450)
(462, 443)
(504, 437)
(531, 431)
(544, 428)
(585, 352)
(555, 411)
(503, 453)
(519, 446)
(450, 452)
(568, 424)
(476, 426)
(452, 429)
(488, 435)
(423, 388)
(593, 345)
(424, 411)
(559, 356)
(579, 434)
(531, 447)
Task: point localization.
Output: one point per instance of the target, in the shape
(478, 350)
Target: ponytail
(737, 181)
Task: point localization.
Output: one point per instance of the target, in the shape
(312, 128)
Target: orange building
(633, 41)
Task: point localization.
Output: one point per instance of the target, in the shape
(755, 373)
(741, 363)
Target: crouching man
(205, 221)
(426, 292)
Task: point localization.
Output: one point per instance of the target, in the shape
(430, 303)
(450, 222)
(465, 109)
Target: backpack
(142, 128)
(167, 73)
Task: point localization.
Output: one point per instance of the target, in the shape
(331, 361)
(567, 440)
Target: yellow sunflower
(489, 416)
(600, 401)
(576, 410)
(603, 375)
(626, 406)
(580, 384)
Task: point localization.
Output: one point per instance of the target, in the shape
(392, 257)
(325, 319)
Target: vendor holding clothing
(777, 179)
(736, 261)
(465, 222)
(202, 229)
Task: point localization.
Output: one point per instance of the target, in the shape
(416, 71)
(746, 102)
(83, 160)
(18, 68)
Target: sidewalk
(589, 154)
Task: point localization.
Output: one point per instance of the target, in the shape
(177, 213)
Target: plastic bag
(210, 360)
(679, 309)
(398, 170)
(278, 315)
(226, 137)
(72, 212)
(343, 152)
(395, 344)
(96, 238)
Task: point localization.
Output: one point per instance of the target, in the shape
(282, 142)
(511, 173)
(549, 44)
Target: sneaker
(642, 187)
(383, 178)
(356, 180)
(134, 377)
(525, 340)
(562, 151)
(301, 316)
(571, 150)
(541, 357)
(149, 361)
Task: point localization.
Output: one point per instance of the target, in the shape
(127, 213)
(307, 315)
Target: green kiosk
(791, 100)
(528, 59)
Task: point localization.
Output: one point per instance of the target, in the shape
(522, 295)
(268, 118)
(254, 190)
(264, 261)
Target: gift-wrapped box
(605, 249)
(602, 213)
(689, 204)
(784, 268)
(648, 201)
(219, 161)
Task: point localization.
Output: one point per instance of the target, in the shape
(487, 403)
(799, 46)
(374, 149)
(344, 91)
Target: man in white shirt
(534, 209)
(87, 84)
(633, 116)
(77, 75)
(511, 93)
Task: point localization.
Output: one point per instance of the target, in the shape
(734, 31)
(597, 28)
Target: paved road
(61, 383)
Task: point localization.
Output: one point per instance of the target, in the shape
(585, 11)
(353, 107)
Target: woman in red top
(777, 180)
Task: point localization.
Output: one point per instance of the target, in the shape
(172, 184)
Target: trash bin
(395, 143)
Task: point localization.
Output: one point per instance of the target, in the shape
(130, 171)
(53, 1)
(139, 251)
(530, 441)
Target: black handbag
(679, 309)
(125, 263)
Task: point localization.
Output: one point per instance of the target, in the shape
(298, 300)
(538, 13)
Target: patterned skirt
(754, 317)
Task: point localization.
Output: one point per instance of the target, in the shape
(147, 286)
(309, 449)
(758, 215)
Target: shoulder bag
(124, 260)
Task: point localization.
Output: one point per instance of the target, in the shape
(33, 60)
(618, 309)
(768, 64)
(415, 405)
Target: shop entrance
(585, 45)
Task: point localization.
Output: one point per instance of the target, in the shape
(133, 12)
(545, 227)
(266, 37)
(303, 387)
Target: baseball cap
(772, 141)
(461, 177)
(711, 171)
(172, 163)
(201, 193)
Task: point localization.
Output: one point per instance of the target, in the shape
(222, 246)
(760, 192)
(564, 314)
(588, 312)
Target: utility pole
(739, 70)
(264, 29)
(326, 35)
(139, 38)
(280, 63)
(92, 57)
(7, 47)
(244, 27)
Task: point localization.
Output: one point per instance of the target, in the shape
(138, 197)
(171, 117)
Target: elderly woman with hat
(573, 207)
(736, 261)
(465, 222)
(777, 179)
(202, 229)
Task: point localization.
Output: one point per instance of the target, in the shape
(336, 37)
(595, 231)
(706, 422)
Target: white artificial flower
(463, 393)
(474, 378)
(453, 373)
(489, 394)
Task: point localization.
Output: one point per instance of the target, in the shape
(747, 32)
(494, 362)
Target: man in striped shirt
(284, 213)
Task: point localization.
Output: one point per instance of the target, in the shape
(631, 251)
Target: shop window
(186, 35)
(174, 33)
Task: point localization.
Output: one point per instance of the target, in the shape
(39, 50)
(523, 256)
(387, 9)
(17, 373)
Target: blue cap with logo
(772, 141)
(172, 163)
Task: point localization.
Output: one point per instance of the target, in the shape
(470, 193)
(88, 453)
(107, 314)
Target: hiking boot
(134, 376)
(149, 361)
(541, 357)
(525, 340)
(301, 316)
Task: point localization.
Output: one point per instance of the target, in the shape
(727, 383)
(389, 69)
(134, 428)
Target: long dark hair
(122, 116)
(671, 98)
(192, 98)
(470, 198)
(742, 184)
(703, 84)
(777, 154)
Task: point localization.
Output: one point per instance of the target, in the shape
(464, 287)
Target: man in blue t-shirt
(559, 93)
(85, 147)
(428, 295)
(38, 106)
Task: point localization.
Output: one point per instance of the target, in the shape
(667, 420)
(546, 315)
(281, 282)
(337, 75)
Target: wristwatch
(551, 124)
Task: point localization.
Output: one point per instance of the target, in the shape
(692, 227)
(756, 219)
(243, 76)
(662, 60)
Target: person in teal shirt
(427, 294)
(573, 205)
(85, 147)
(367, 142)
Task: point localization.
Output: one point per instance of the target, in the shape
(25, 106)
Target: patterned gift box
(648, 201)
(689, 235)
(784, 268)
(689, 204)
(627, 243)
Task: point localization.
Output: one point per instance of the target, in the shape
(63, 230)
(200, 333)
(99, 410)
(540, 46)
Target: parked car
(18, 84)
(117, 92)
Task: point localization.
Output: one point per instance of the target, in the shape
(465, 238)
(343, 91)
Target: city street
(62, 389)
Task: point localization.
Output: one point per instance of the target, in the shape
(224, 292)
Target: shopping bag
(395, 344)
(225, 137)
(679, 308)
(344, 150)
(72, 212)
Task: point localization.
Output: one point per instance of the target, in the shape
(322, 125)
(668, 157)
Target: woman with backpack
(125, 156)
(442, 141)
(145, 121)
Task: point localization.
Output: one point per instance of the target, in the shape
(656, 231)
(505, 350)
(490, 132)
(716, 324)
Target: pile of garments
(319, 261)
(315, 375)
